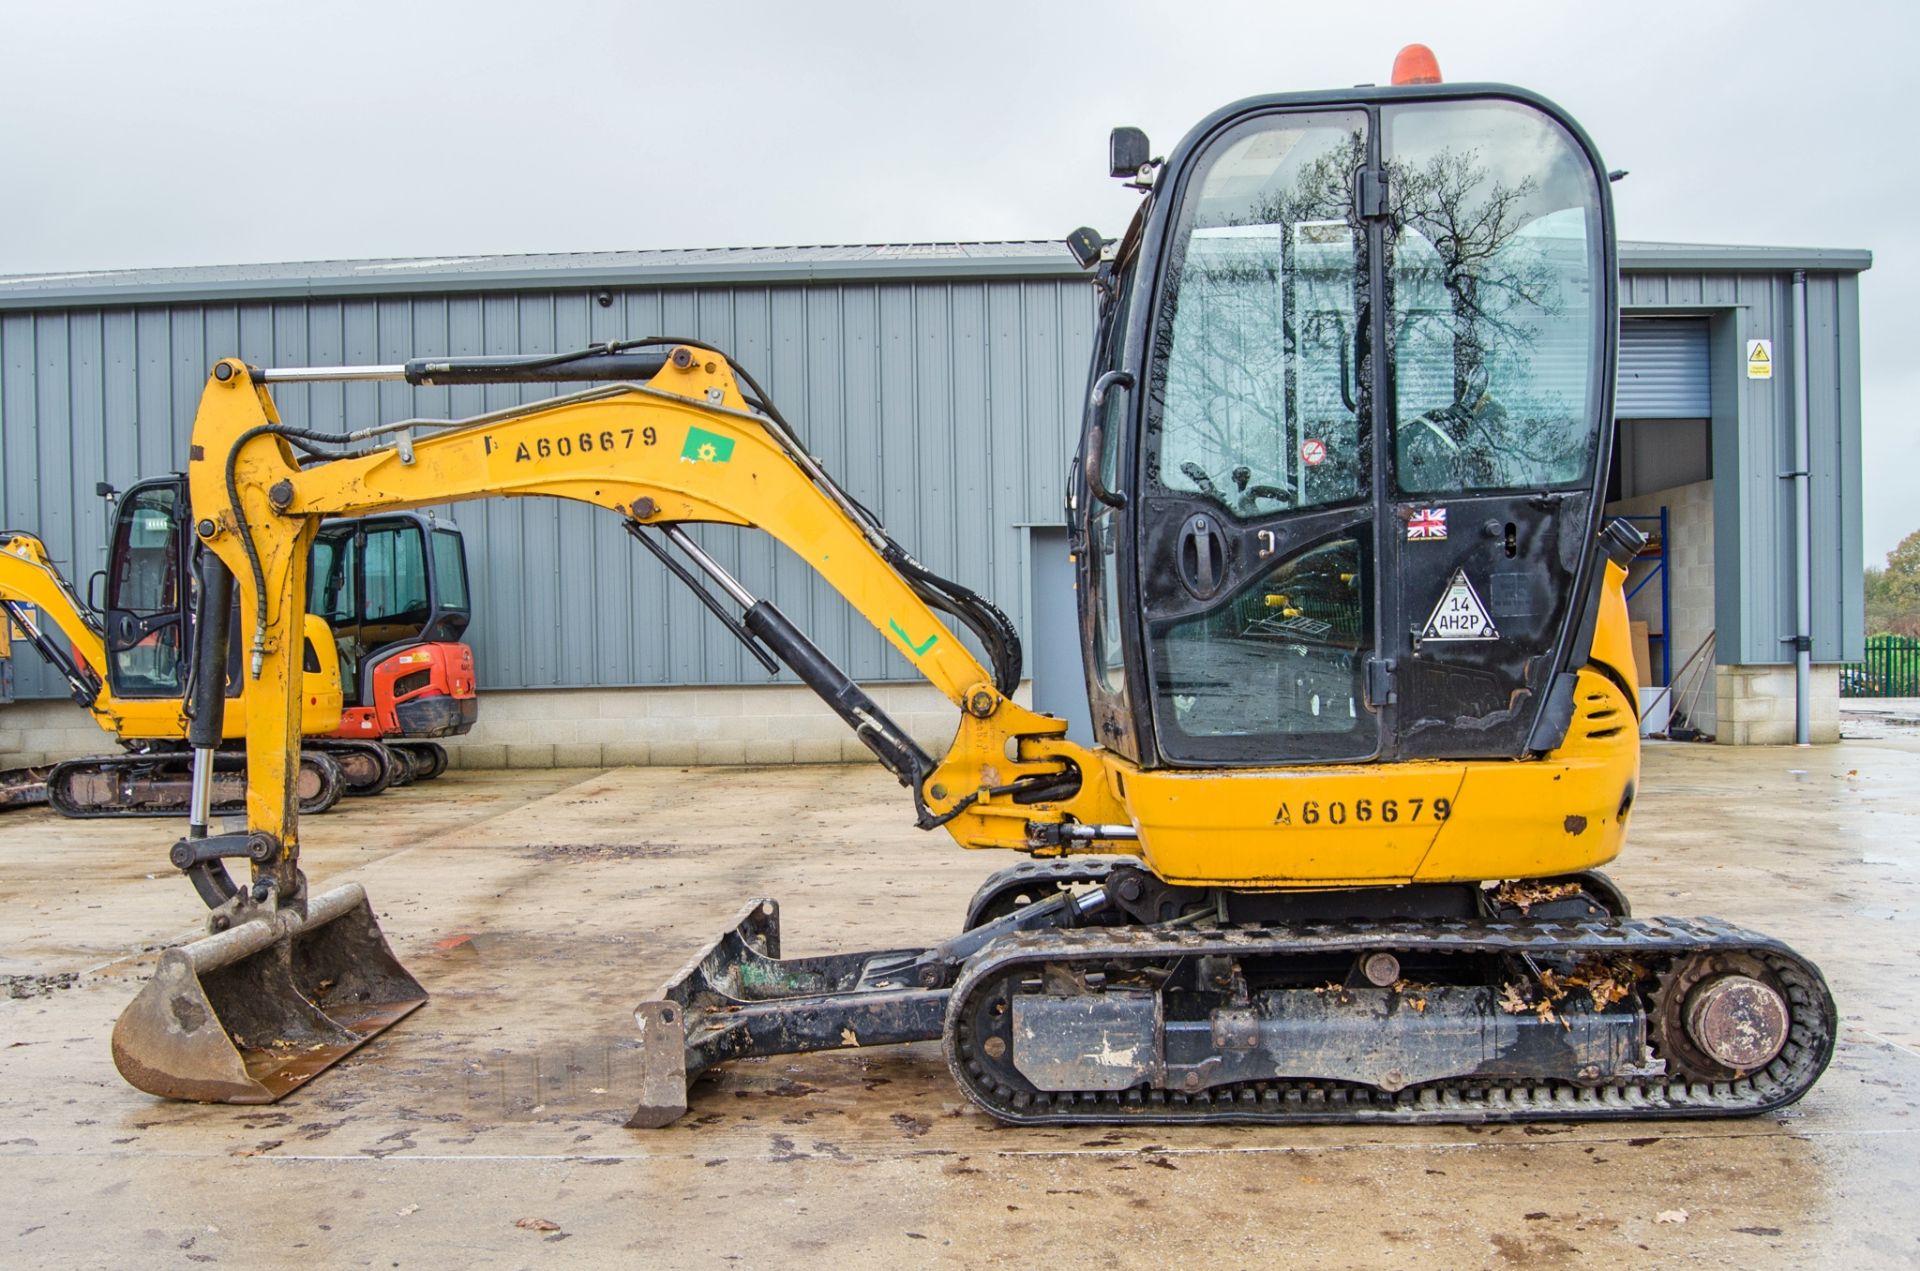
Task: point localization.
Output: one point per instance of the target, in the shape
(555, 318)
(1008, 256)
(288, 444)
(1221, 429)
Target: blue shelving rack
(1654, 558)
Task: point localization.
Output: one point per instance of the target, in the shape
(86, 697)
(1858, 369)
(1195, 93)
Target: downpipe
(1803, 519)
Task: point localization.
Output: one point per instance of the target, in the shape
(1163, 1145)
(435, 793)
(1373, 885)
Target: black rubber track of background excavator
(997, 1088)
(368, 766)
(429, 757)
(24, 787)
(159, 785)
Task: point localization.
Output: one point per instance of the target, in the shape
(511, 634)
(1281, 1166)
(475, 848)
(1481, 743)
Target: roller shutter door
(1663, 369)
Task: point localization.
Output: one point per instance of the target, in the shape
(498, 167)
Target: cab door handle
(1202, 556)
(1097, 435)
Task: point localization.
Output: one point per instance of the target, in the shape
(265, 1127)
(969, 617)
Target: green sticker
(920, 649)
(706, 447)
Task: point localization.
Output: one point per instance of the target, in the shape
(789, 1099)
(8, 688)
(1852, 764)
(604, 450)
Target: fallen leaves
(1606, 980)
(1513, 999)
(1523, 895)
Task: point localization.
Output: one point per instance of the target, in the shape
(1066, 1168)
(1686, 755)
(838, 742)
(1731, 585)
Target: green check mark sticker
(919, 649)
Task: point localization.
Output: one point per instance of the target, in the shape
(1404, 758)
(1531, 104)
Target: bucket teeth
(257, 1010)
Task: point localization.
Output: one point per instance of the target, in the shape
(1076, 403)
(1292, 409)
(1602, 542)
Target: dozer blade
(248, 1014)
(738, 997)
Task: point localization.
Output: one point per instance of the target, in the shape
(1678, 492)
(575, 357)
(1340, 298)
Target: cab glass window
(394, 573)
(146, 577)
(450, 566)
(1257, 385)
(1276, 668)
(330, 578)
(145, 592)
(1493, 269)
(1104, 528)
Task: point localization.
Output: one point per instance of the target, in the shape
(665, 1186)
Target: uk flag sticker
(1427, 523)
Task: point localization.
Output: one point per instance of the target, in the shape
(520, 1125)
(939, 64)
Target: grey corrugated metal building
(941, 382)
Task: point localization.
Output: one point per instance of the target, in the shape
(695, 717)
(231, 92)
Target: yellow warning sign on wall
(1759, 359)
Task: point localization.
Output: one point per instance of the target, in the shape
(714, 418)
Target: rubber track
(1790, 1075)
(332, 785)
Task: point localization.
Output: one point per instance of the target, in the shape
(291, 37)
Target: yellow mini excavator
(1355, 644)
(150, 779)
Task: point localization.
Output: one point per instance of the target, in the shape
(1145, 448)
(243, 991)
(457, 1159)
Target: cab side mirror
(1128, 151)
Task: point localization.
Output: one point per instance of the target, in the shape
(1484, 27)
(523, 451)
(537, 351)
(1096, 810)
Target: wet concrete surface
(538, 906)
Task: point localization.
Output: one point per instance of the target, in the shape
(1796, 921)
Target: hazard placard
(1759, 359)
(1460, 615)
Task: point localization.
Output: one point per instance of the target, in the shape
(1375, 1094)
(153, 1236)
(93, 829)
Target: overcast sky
(186, 132)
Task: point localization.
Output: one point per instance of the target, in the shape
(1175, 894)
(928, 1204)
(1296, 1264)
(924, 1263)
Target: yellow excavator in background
(385, 672)
(149, 780)
(1355, 642)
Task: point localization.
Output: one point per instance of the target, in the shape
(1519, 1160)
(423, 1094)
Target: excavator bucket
(250, 1013)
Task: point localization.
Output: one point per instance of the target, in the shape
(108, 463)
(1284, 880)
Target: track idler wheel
(1719, 1016)
(367, 766)
(429, 758)
(319, 783)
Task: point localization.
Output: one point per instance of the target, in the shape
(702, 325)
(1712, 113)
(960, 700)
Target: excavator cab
(1340, 492)
(394, 590)
(149, 600)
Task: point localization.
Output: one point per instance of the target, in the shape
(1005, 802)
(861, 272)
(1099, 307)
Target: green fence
(1892, 669)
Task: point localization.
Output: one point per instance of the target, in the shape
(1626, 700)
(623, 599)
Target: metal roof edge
(1645, 257)
(559, 278)
(1635, 257)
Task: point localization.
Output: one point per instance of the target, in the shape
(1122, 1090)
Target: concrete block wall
(569, 728)
(760, 724)
(1757, 705)
(1690, 566)
(43, 732)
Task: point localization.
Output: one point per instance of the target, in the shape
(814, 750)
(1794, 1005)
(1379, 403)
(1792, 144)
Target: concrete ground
(538, 905)
(1873, 718)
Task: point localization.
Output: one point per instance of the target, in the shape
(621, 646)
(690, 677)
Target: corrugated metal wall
(949, 408)
(1753, 447)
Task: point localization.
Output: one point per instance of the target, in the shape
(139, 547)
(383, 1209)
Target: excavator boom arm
(685, 447)
(29, 578)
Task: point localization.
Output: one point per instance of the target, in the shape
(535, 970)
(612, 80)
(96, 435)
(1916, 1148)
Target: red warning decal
(1313, 452)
